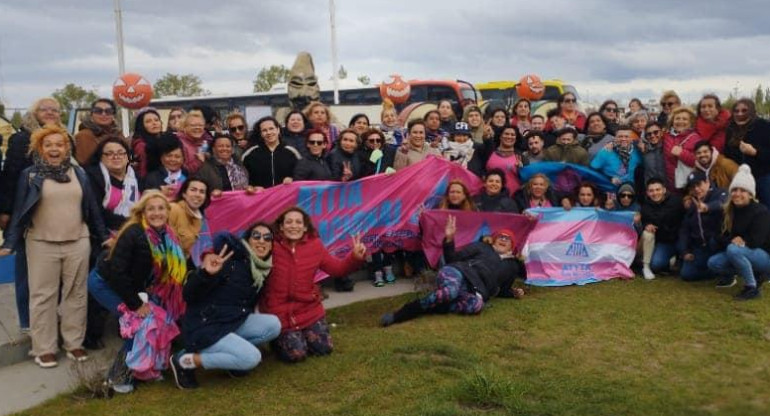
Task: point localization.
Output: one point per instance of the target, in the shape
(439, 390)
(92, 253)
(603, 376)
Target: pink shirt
(509, 165)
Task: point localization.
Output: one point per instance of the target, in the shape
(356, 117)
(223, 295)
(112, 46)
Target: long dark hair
(256, 135)
(186, 186)
(305, 218)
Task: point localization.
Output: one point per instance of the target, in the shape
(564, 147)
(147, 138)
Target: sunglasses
(569, 100)
(611, 110)
(625, 195)
(377, 140)
(504, 237)
(653, 132)
(669, 104)
(237, 128)
(256, 235)
(316, 142)
(100, 110)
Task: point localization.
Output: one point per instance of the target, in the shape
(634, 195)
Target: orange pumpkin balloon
(530, 87)
(397, 90)
(132, 91)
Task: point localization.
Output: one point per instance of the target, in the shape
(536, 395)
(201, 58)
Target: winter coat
(654, 164)
(757, 135)
(714, 131)
(290, 291)
(666, 215)
(370, 168)
(412, 157)
(88, 139)
(186, 225)
(687, 139)
(752, 223)
(482, 267)
(312, 168)
(700, 229)
(190, 149)
(218, 304)
(297, 141)
(338, 158)
(592, 145)
(16, 160)
(214, 174)
(571, 153)
(608, 163)
(269, 168)
(129, 270)
(497, 203)
(720, 171)
(29, 190)
(157, 178)
(112, 221)
(522, 198)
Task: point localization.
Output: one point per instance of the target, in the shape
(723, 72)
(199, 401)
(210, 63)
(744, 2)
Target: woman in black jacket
(492, 198)
(314, 167)
(536, 193)
(344, 161)
(221, 329)
(472, 276)
(374, 162)
(748, 141)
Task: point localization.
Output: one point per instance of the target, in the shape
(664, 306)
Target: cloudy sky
(605, 48)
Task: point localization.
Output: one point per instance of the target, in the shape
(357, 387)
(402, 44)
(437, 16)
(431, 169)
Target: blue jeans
(21, 285)
(697, 269)
(661, 257)
(103, 293)
(237, 350)
(743, 261)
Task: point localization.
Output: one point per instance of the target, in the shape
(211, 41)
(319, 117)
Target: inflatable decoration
(132, 91)
(396, 89)
(530, 87)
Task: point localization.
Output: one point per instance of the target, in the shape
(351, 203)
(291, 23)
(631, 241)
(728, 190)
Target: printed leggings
(294, 346)
(453, 291)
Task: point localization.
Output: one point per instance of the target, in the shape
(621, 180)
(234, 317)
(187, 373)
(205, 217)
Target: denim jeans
(21, 285)
(237, 350)
(697, 269)
(103, 293)
(661, 257)
(744, 261)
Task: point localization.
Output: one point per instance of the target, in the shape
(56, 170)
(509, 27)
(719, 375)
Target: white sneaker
(647, 273)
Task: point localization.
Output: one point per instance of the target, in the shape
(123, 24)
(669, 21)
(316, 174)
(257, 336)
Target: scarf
(129, 195)
(624, 152)
(590, 140)
(169, 268)
(259, 268)
(58, 173)
(99, 130)
(237, 175)
(460, 153)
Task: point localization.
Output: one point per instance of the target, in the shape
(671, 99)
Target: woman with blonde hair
(457, 197)
(196, 142)
(679, 147)
(320, 117)
(668, 102)
(145, 264)
(43, 111)
(59, 244)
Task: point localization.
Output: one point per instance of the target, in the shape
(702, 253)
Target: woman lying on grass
(472, 276)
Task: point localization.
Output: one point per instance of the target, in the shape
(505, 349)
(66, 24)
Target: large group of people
(106, 224)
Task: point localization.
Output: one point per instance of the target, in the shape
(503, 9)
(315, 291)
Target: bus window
(419, 93)
(441, 92)
(551, 93)
(372, 97)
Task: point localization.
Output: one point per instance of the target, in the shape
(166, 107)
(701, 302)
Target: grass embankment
(618, 348)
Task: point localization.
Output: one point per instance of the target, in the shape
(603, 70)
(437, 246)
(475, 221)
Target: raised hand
(212, 262)
(359, 249)
(451, 228)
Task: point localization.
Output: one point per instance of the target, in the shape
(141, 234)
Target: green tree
(759, 97)
(179, 85)
(73, 96)
(364, 79)
(16, 119)
(268, 77)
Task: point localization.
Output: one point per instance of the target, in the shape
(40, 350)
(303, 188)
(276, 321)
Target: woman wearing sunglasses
(221, 327)
(747, 142)
(668, 102)
(96, 126)
(567, 106)
(471, 277)
(376, 157)
(313, 166)
(625, 200)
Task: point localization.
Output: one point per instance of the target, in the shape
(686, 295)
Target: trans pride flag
(579, 246)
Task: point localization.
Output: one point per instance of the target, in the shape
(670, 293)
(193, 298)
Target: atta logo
(578, 247)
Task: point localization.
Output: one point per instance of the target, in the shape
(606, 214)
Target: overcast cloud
(605, 48)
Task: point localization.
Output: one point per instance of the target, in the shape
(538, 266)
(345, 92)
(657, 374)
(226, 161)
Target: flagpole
(121, 61)
(335, 75)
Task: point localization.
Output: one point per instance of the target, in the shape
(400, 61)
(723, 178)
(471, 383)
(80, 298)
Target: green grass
(618, 348)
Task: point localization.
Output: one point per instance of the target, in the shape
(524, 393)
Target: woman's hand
(688, 257)
(216, 193)
(359, 249)
(566, 204)
(212, 263)
(347, 171)
(287, 181)
(5, 252)
(609, 204)
(739, 241)
(168, 190)
(144, 310)
(676, 150)
(250, 190)
(451, 228)
(747, 149)
(201, 156)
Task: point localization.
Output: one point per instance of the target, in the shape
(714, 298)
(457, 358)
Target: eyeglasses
(626, 195)
(611, 110)
(377, 140)
(504, 237)
(237, 128)
(569, 100)
(669, 104)
(316, 142)
(48, 110)
(741, 111)
(110, 155)
(100, 110)
(653, 132)
(256, 235)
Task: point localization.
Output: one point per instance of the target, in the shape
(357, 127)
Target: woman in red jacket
(712, 121)
(291, 293)
(679, 146)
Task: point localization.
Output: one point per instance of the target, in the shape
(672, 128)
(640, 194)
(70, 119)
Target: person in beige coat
(415, 149)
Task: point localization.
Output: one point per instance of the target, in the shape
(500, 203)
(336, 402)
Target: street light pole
(335, 75)
(121, 61)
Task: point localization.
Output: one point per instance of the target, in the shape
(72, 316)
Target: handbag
(682, 171)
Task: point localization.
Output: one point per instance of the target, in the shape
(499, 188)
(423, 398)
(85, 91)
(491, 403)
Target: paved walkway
(24, 384)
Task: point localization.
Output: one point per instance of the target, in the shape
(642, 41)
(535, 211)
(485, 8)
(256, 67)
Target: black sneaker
(748, 293)
(238, 373)
(184, 379)
(344, 284)
(726, 281)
